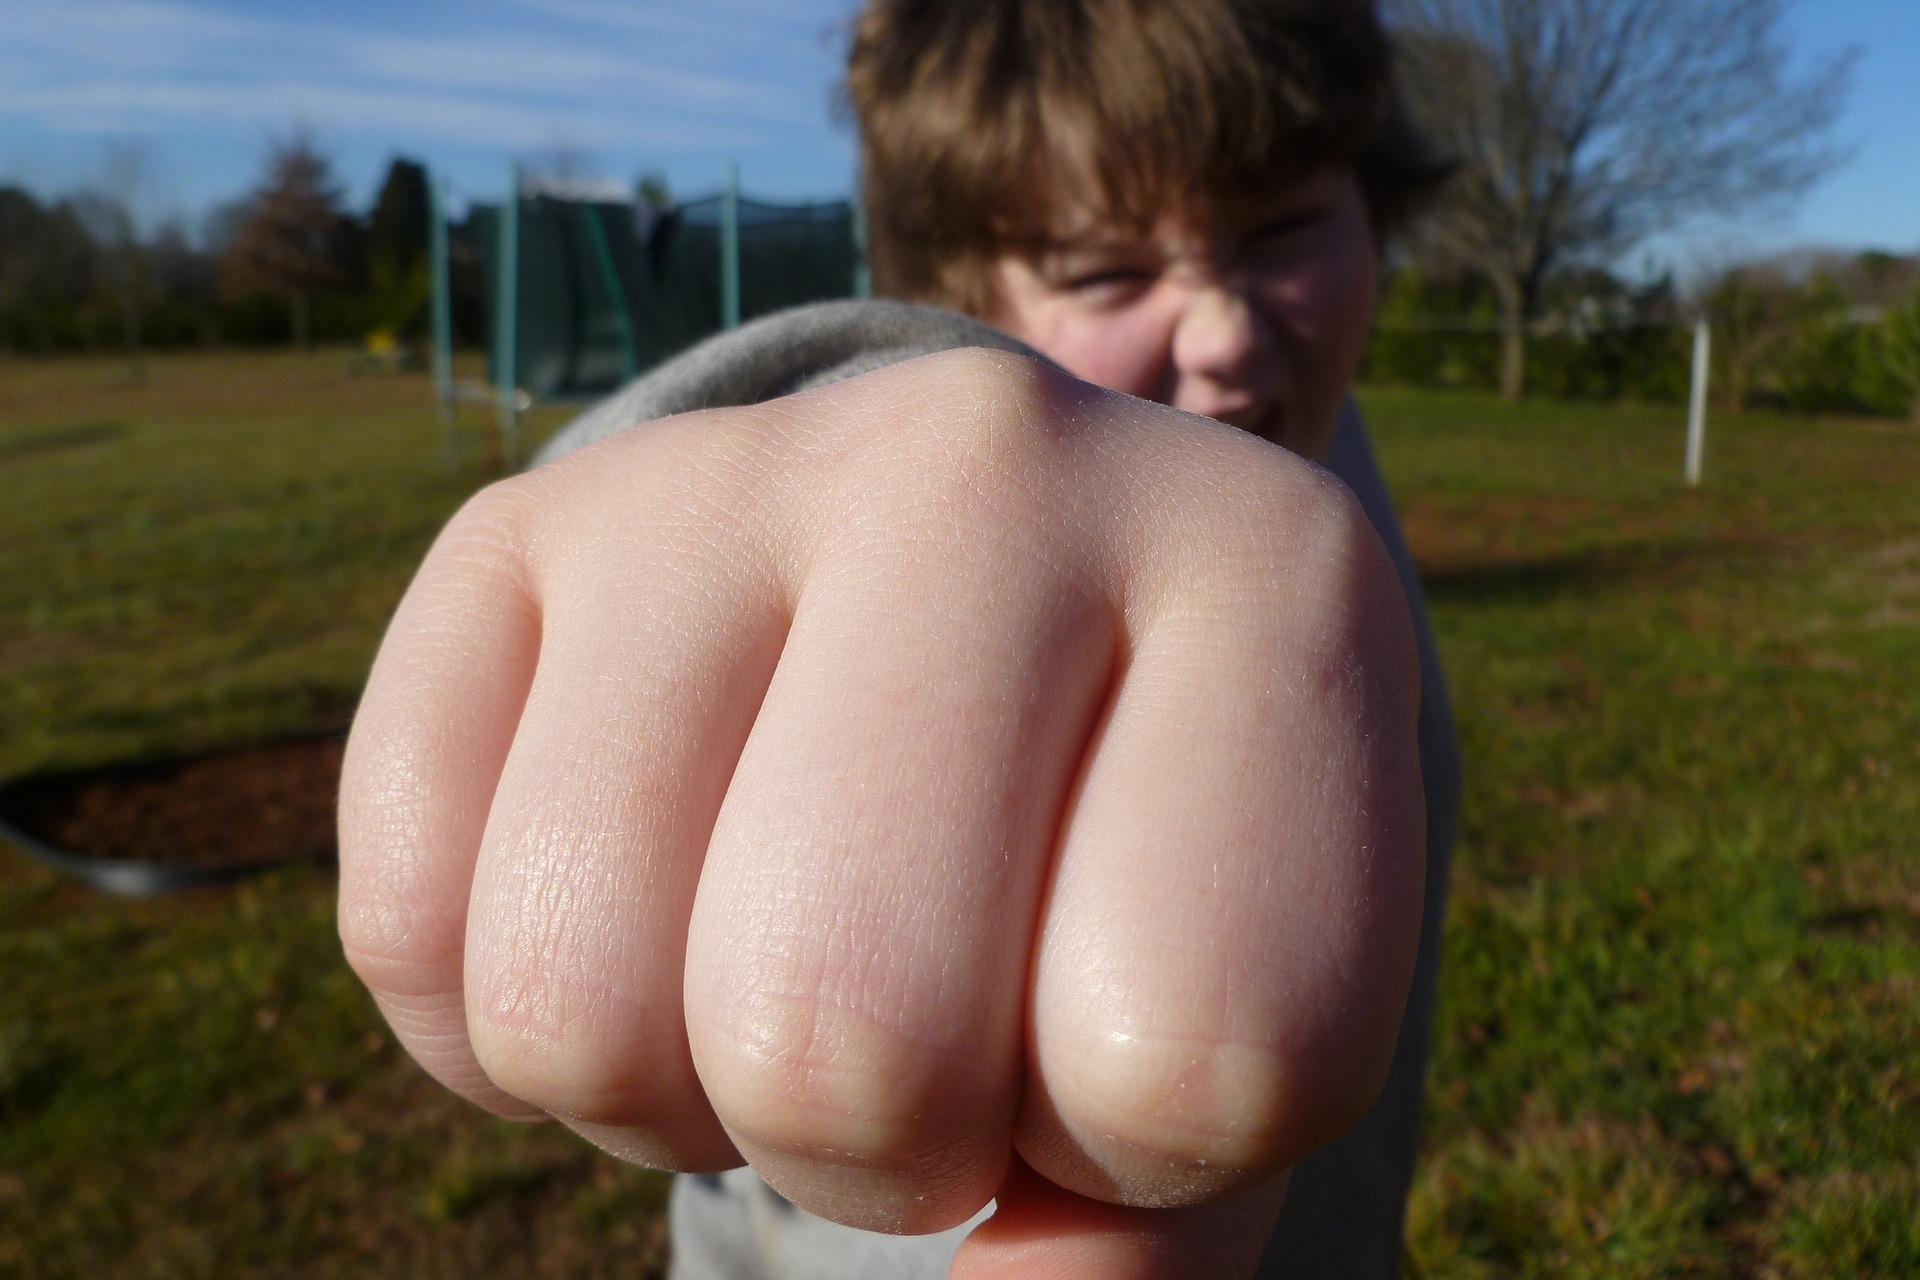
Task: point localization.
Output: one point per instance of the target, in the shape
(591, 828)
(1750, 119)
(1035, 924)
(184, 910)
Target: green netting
(608, 290)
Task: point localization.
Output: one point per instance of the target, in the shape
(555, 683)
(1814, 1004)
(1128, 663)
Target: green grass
(196, 1086)
(1680, 1014)
(1681, 1001)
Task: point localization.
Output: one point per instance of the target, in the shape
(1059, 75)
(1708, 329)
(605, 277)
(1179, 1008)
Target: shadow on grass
(1524, 581)
(1868, 920)
(21, 444)
(1539, 579)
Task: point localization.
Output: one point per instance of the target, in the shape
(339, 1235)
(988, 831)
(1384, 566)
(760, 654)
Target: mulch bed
(215, 813)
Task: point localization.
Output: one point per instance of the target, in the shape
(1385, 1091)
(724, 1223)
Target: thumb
(1040, 1231)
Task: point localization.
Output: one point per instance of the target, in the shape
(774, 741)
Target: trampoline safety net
(605, 291)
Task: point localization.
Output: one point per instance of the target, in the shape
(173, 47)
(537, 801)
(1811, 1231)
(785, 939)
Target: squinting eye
(1283, 232)
(1106, 283)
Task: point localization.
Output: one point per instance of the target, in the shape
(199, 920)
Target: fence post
(442, 310)
(506, 325)
(1697, 409)
(730, 250)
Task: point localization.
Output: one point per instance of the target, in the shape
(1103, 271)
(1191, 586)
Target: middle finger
(860, 939)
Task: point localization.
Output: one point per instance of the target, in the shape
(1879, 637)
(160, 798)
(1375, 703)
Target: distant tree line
(289, 263)
(1594, 336)
(1819, 332)
(1814, 332)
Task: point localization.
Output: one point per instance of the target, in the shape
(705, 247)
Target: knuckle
(1272, 529)
(402, 930)
(1220, 1108)
(556, 1025)
(1309, 517)
(973, 420)
(1313, 569)
(1362, 607)
(574, 1068)
(395, 952)
(401, 925)
(498, 516)
(1185, 1100)
(1342, 545)
(1349, 548)
(838, 1089)
(988, 373)
(484, 546)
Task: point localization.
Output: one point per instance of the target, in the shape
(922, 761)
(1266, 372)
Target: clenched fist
(952, 783)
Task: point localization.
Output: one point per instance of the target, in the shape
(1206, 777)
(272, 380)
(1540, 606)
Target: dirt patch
(231, 809)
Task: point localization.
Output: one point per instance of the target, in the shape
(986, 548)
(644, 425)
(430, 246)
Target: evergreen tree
(398, 242)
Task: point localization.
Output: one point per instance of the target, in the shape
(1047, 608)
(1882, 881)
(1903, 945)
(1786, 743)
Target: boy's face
(1258, 318)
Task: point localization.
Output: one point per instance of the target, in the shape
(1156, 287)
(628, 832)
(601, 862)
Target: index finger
(430, 738)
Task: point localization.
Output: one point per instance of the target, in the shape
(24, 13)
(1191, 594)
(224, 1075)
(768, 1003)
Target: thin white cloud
(729, 22)
(87, 66)
(497, 65)
(127, 21)
(100, 109)
(47, 37)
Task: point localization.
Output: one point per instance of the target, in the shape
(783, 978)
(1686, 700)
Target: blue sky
(618, 87)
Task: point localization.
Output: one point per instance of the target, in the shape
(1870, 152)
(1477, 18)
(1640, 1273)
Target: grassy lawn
(1680, 1023)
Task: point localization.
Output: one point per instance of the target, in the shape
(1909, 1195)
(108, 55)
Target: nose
(1222, 354)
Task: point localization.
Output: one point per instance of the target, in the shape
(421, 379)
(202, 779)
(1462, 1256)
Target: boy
(961, 783)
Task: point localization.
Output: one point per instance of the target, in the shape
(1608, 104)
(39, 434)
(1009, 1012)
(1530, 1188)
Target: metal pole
(730, 250)
(442, 309)
(506, 325)
(1697, 411)
(616, 292)
(862, 273)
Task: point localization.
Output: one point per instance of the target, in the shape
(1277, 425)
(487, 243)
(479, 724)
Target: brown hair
(966, 106)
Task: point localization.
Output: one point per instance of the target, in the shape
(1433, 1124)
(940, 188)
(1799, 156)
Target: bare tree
(1751, 308)
(1583, 126)
(110, 211)
(289, 241)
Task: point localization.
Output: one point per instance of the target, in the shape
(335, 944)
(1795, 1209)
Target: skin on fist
(958, 780)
